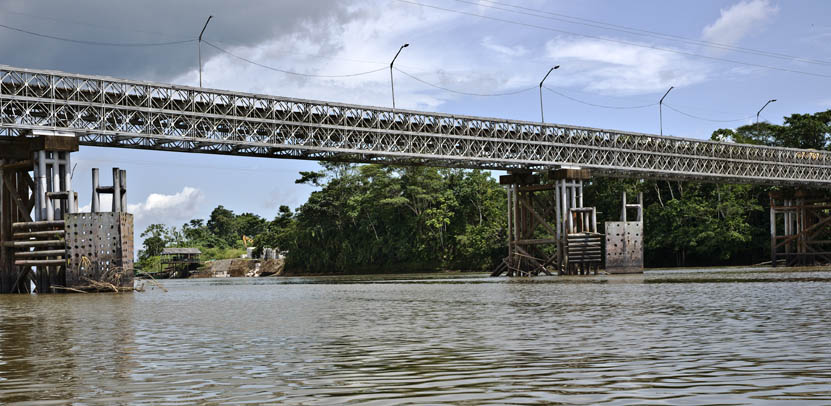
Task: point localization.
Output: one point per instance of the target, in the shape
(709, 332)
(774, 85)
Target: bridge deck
(112, 112)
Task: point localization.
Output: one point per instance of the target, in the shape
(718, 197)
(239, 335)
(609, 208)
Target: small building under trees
(180, 262)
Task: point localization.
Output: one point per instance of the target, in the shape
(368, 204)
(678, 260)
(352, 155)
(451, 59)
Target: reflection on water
(731, 337)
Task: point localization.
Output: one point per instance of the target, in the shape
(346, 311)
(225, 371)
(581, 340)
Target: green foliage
(707, 221)
(155, 237)
(149, 263)
(811, 131)
(222, 225)
(221, 253)
(218, 238)
(371, 217)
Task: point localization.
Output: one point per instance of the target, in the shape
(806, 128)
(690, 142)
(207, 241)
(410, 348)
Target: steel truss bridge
(110, 112)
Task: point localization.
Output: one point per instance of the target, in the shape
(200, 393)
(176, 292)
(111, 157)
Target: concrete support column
(4, 272)
(116, 191)
(96, 197)
(122, 192)
(67, 183)
(38, 201)
(43, 187)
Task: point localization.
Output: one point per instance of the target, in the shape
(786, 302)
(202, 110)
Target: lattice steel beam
(121, 113)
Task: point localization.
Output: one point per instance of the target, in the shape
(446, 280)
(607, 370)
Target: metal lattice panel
(129, 114)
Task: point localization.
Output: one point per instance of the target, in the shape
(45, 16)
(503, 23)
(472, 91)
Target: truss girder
(129, 114)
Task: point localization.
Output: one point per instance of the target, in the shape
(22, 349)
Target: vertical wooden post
(56, 184)
(511, 229)
(772, 232)
(5, 270)
(38, 201)
(46, 204)
(562, 242)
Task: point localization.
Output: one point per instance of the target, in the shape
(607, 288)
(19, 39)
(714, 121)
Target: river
(734, 336)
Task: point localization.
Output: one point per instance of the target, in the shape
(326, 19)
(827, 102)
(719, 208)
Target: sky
(725, 59)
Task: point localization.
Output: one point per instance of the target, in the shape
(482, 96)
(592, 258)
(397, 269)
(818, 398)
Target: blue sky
(479, 47)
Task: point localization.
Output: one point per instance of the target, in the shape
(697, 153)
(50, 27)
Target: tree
(155, 240)
(222, 224)
(250, 224)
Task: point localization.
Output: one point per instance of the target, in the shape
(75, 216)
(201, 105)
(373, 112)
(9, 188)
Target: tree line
(371, 218)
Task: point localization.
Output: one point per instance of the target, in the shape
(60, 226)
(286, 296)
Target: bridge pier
(624, 240)
(549, 229)
(39, 221)
(800, 228)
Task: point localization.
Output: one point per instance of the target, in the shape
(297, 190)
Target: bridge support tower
(800, 228)
(624, 239)
(550, 231)
(45, 244)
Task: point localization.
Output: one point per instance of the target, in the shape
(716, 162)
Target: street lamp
(763, 107)
(542, 115)
(200, 48)
(661, 111)
(392, 85)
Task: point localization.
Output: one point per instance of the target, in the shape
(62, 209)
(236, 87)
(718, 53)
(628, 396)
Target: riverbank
(241, 267)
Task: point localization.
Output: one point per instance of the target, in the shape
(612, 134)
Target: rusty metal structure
(624, 240)
(45, 244)
(110, 112)
(800, 228)
(99, 248)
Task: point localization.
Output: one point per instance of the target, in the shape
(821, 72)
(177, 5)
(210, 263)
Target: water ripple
(737, 337)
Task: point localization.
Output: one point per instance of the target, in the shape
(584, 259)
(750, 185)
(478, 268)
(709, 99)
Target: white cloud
(159, 208)
(738, 21)
(605, 67)
(511, 51)
(366, 43)
(168, 208)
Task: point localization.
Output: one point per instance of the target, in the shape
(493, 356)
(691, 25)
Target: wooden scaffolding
(32, 210)
(549, 229)
(800, 228)
(45, 244)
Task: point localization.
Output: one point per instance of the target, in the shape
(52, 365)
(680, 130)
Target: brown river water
(735, 336)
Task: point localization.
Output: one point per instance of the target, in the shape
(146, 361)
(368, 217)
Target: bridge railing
(113, 112)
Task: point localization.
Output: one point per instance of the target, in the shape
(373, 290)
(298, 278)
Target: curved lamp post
(200, 48)
(542, 115)
(763, 107)
(392, 85)
(661, 110)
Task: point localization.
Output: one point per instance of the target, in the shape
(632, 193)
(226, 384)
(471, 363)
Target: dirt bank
(236, 268)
